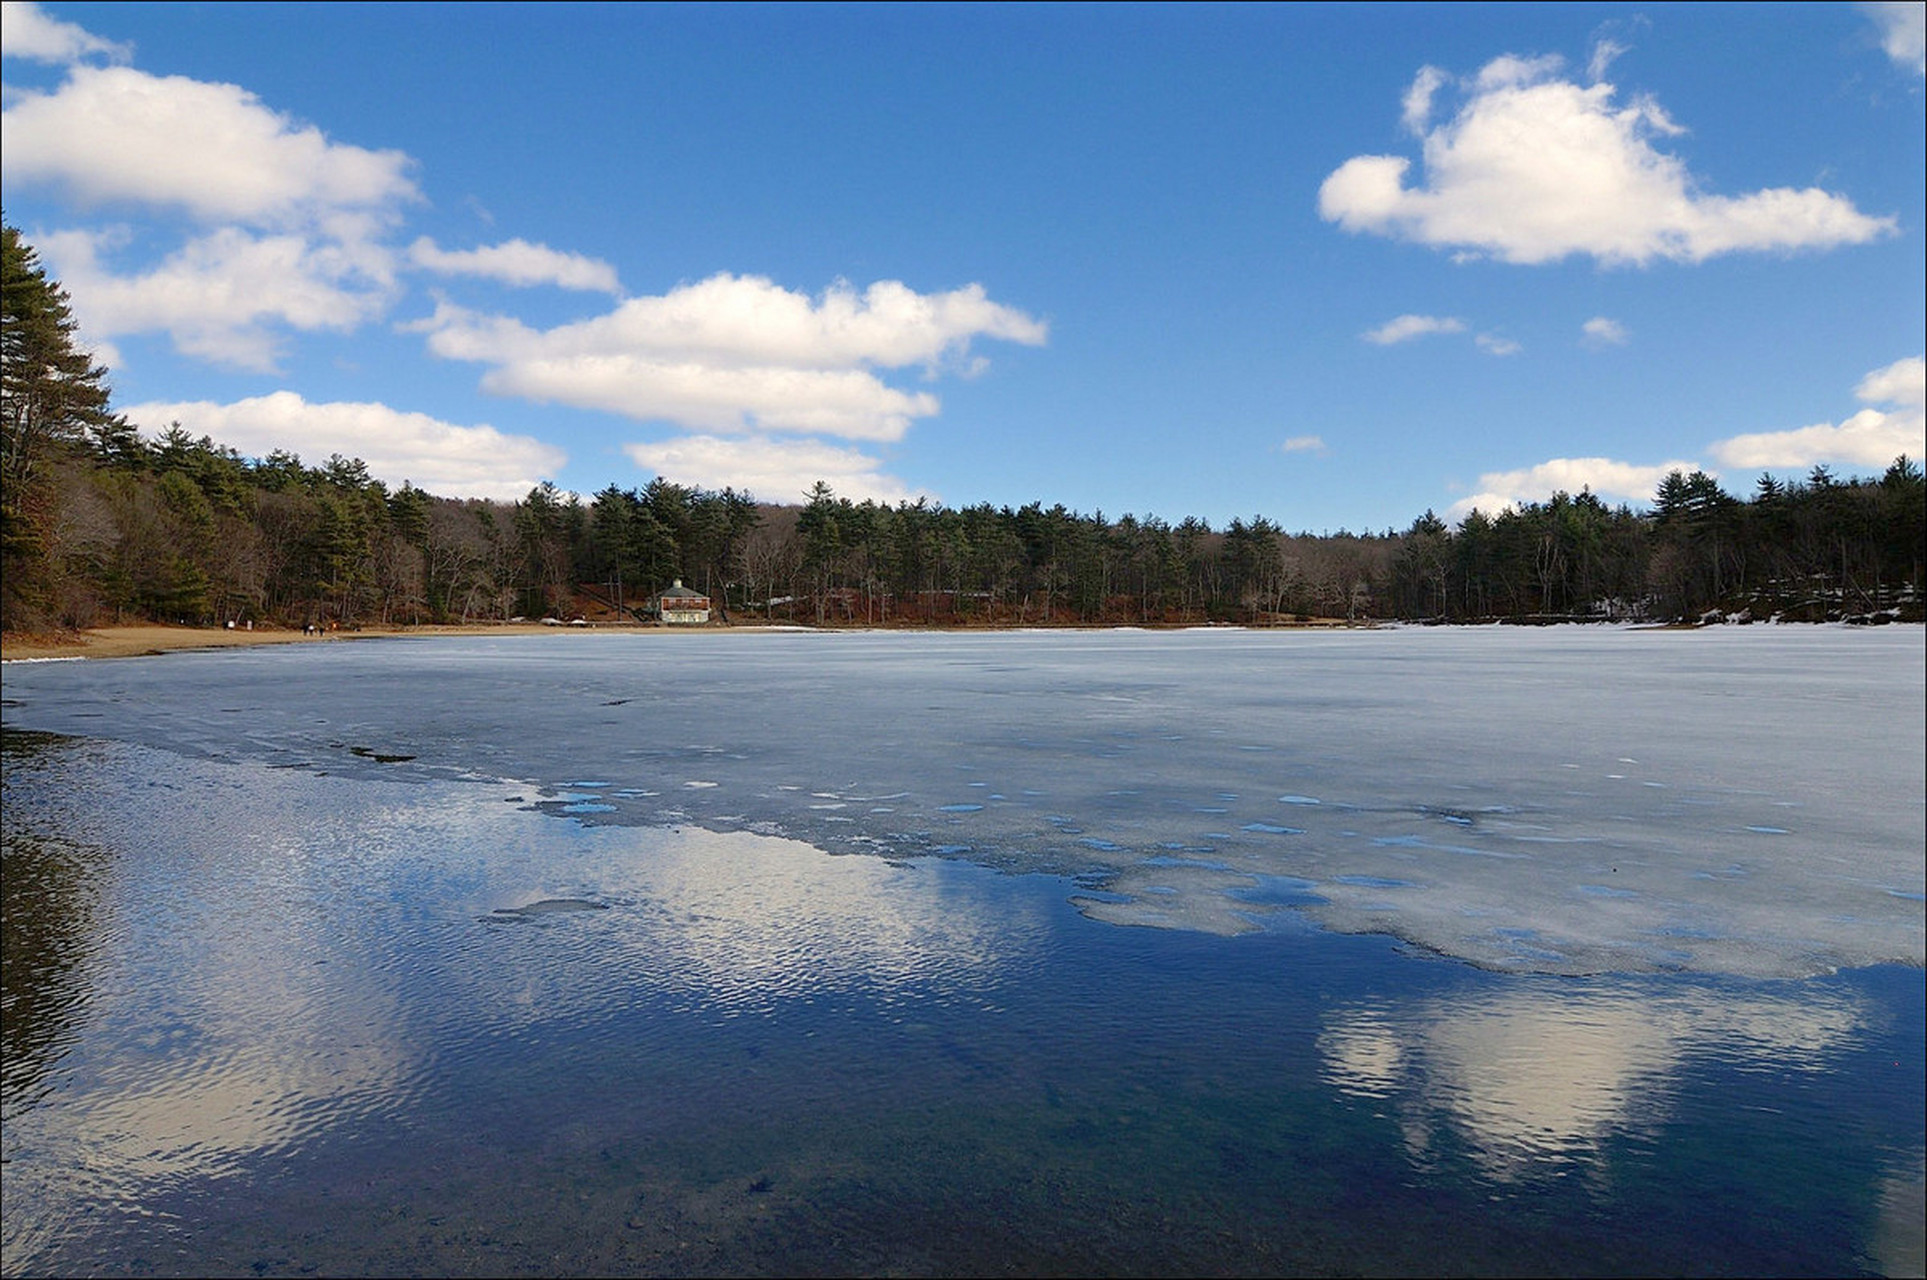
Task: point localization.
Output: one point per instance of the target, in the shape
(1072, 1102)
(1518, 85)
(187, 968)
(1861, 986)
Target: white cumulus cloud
(1873, 437)
(851, 403)
(1608, 478)
(1870, 439)
(27, 31)
(519, 263)
(292, 225)
(1601, 331)
(1494, 345)
(772, 470)
(1535, 168)
(117, 134)
(1903, 32)
(740, 354)
(221, 295)
(1305, 444)
(749, 321)
(440, 457)
(1406, 328)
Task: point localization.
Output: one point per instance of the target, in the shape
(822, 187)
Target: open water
(1569, 951)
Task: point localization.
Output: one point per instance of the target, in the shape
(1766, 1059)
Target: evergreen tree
(51, 396)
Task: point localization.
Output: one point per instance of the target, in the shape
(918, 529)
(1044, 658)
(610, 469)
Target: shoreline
(149, 639)
(142, 640)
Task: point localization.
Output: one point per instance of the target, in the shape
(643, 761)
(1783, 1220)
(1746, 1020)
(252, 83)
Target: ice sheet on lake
(1747, 800)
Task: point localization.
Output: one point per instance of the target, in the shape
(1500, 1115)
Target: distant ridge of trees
(100, 525)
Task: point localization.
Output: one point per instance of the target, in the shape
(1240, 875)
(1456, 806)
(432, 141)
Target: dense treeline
(102, 525)
(1809, 551)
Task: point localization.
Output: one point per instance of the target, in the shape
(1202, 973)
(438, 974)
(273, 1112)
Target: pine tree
(51, 397)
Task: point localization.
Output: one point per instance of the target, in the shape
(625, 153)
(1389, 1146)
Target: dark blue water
(261, 1021)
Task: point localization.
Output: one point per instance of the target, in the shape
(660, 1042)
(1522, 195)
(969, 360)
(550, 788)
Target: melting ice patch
(1560, 799)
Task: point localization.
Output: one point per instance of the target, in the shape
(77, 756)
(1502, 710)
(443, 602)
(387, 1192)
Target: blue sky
(1334, 265)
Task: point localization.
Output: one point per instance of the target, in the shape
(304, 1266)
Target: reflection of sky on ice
(281, 956)
(1536, 1077)
(1746, 800)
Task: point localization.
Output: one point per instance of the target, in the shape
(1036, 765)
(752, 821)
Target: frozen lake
(795, 953)
(1564, 800)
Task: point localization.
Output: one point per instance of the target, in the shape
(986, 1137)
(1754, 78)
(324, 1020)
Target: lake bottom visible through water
(420, 1028)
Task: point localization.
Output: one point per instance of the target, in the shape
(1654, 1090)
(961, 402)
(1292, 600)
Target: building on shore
(681, 606)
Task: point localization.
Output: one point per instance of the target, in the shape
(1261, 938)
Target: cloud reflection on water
(1537, 1078)
(286, 958)
(255, 1019)
(292, 970)
(735, 920)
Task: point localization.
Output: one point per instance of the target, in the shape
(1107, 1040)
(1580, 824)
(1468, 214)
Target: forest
(100, 524)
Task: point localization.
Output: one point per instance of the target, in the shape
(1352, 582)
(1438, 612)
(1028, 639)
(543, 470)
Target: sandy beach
(145, 639)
